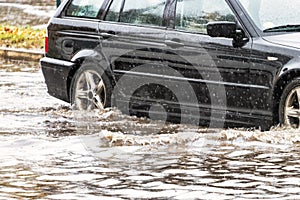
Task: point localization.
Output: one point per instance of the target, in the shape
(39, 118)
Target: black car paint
(254, 74)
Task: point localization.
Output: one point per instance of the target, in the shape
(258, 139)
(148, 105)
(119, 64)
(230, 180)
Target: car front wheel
(91, 88)
(289, 106)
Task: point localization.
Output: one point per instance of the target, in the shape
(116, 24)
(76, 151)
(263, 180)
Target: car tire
(289, 105)
(91, 88)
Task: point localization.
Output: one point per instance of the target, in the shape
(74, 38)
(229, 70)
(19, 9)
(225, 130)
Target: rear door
(132, 38)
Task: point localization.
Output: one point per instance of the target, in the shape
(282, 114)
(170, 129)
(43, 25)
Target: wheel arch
(92, 57)
(280, 85)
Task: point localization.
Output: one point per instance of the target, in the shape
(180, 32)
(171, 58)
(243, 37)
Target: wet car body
(239, 80)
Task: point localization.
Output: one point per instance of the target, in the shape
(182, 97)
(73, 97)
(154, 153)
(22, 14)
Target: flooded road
(47, 152)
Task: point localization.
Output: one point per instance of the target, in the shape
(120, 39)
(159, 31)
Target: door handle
(109, 34)
(174, 43)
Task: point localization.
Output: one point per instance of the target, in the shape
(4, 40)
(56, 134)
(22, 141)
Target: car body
(200, 61)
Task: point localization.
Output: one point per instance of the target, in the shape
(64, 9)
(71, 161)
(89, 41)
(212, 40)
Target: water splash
(119, 129)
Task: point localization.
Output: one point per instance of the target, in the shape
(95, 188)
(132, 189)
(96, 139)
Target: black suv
(211, 62)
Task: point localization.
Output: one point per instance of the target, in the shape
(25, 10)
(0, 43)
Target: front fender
(292, 67)
(287, 73)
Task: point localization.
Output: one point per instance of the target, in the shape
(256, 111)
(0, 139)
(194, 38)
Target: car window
(84, 8)
(193, 15)
(113, 12)
(268, 14)
(148, 12)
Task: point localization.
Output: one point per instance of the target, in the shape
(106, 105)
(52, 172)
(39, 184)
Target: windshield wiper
(284, 28)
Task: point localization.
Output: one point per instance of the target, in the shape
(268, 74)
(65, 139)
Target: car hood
(289, 39)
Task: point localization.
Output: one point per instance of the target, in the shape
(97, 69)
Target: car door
(216, 70)
(133, 35)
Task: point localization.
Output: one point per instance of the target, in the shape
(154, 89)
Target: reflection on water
(48, 153)
(48, 168)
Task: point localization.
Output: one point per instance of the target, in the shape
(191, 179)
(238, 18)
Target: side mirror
(222, 29)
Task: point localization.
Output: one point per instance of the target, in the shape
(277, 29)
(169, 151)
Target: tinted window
(84, 8)
(193, 15)
(114, 11)
(147, 12)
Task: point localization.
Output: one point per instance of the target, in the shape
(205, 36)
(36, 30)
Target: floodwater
(48, 152)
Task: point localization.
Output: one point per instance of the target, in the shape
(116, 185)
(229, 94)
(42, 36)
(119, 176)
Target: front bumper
(56, 73)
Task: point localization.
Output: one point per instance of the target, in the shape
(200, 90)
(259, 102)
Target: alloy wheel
(292, 108)
(90, 91)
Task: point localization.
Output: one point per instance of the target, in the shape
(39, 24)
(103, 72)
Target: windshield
(274, 15)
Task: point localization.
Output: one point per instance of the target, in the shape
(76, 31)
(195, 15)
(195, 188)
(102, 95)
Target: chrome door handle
(106, 35)
(174, 43)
